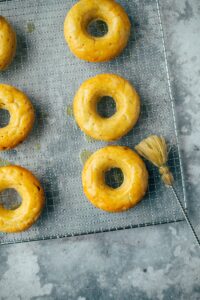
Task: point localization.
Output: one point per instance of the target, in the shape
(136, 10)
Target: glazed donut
(31, 192)
(96, 49)
(22, 116)
(8, 43)
(127, 107)
(133, 187)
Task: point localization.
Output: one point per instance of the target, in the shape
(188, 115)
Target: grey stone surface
(160, 262)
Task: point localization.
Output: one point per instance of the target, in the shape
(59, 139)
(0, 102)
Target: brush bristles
(154, 149)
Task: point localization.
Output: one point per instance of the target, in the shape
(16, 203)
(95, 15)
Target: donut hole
(97, 28)
(10, 199)
(114, 178)
(4, 117)
(106, 107)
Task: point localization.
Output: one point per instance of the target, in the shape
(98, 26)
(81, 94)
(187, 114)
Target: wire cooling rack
(49, 74)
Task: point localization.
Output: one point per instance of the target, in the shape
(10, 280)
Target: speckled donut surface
(22, 116)
(133, 187)
(31, 192)
(8, 43)
(97, 49)
(127, 107)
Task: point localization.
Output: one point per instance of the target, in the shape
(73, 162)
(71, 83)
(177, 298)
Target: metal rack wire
(50, 75)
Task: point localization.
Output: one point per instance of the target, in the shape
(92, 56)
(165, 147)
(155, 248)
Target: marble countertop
(158, 262)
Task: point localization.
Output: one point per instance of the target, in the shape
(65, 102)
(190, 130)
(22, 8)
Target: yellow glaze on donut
(127, 107)
(8, 43)
(31, 192)
(129, 193)
(21, 116)
(97, 49)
